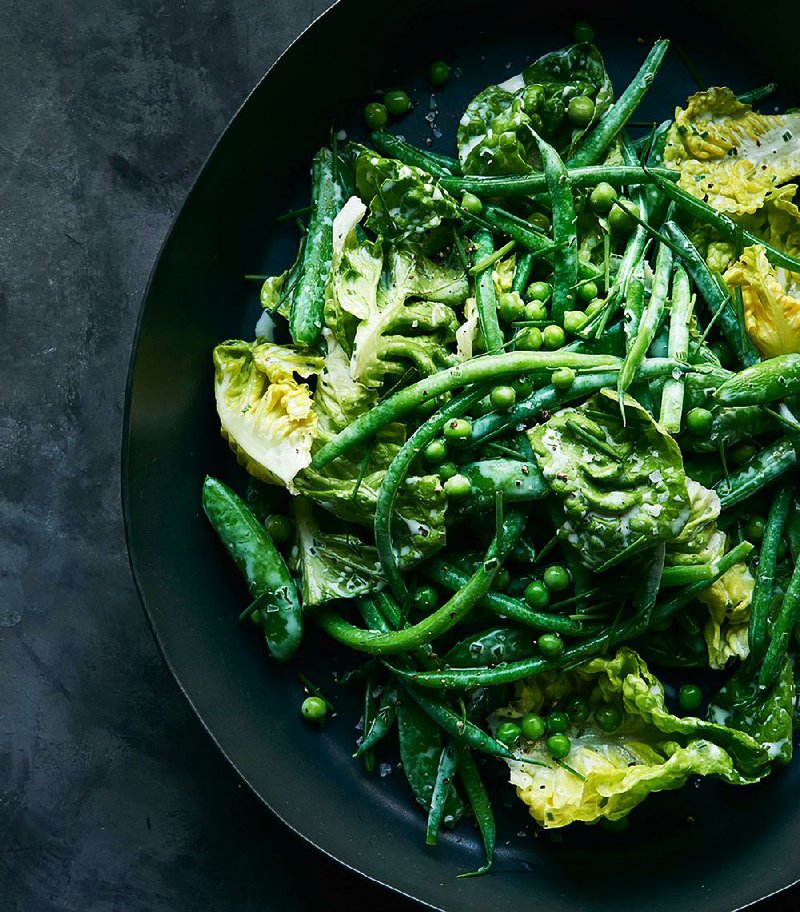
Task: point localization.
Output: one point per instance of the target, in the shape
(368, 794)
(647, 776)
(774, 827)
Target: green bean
(441, 620)
(482, 369)
(276, 604)
(672, 394)
(594, 145)
(565, 255)
(445, 774)
(781, 631)
(532, 184)
(382, 722)
(532, 239)
(393, 478)
(457, 678)
(522, 273)
(393, 147)
(715, 294)
(683, 575)
(757, 634)
(478, 799)
(793, 531)
(504, 606)
(485, 297)
(387, 616)
(722, 223)
(753, 96)
(767, 381)
(651, 320)
(308, 301)
(765, 467)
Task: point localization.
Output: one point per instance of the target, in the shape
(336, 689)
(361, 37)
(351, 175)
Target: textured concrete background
(111, 796)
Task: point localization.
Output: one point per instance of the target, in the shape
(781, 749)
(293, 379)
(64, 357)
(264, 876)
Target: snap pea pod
(484, 369)
(458, 678)
(533, 184)
(420, 748)
(768, 381)
(522, 272)
(722, 223)
(612, 342)
(594, 145)
(793, 531)
(308, 301)
(780, 633)
(565, 255)
(394, 147)
(757, 634)
(445, 775)
(382, 722)
(650, 321)
(367, 719)
(485, 296)
(478, 799)
(276, 604)
(765, 467)
(672, 393)
(439, 621)
(714, 292)
(518, 481)
(730, 426)
(492, 647)
(633, 310)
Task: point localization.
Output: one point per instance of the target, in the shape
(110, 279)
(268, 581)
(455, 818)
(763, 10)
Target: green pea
(587, 291)
(754, 529)
(608, 718)
(530, 339)
(539, 291)
(532, 726)
(457, 429)
(615, 826)
(536, 595)
(375, 115)
(522, 386)
(550, 645)
(458, 487)
(503, 398)
(314, 709)
(510, 306)
(582, 31)
(699, 422)
(471, 203)
(574, 321)
(690, 697)
(563, 378)
(580, 111)
(426, 599)
(280, 528)
(620, 221)
(397, 102)
(502, 579)
(508, 733)
(557, 722)
(579, 709)
(741, 453)
(602, 198)
(447, 470)
(539, 219)
(535, 311)
(553, 337)
(594, 307)
(558, 746)
(557, 578)
(438, 73)
(435, 452)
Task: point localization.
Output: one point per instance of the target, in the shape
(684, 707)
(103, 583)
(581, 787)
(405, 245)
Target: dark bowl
(710, 847)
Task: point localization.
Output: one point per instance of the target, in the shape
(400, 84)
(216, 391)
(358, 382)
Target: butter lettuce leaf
(619, 483)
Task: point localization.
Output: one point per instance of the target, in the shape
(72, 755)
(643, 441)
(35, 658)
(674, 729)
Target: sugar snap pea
(767, 381)
(445, 776)
(680, 314)
(765, 467)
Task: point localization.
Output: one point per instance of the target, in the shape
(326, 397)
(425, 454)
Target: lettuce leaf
(729, 155)
(629, 485)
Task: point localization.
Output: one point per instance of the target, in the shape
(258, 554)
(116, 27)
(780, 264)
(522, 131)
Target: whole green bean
(684, 574)
(765, 467)
(388, 616)
(594, 145)
(485, 297)
(672, 393)
(394, 147)
(522, 272)
(767, 381)
(276, 604)
(532, 239)
(780, 633)
(478, 799)
(445, 775)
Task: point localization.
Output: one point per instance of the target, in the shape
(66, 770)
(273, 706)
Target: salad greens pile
(521, 428)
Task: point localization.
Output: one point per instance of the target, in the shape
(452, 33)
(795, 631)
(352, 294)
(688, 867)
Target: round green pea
(397, 102)
(535, 310)
(502, 579)
(532, 726)
(447, 470)
(553, 337)
(540, 220)
(530, 339)
(536, 595)
(587, 291)
(426, 599)
(557, 722)
(563, 378)
(471, 203)
(436, 452)
(508, 733)
(550, 645)
(690, 697)
(608, 718)
(314, 709)
(582, 31)
(558, 746)
(574, 321)
(580, 111)
(280, 528)
(510, 306)
(375, 115)
(621, 221)
(503, 398)
(699, 422)
(438, 73)
(556, 578)
(754, 529)
(458, 487)
(594, 307)
(579, 709)
(602, 198)
(457, 429)
(539, 291)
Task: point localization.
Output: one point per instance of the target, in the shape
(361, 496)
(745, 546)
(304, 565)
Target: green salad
(521, 428)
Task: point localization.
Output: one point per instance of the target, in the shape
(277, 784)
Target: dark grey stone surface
(111, 795)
